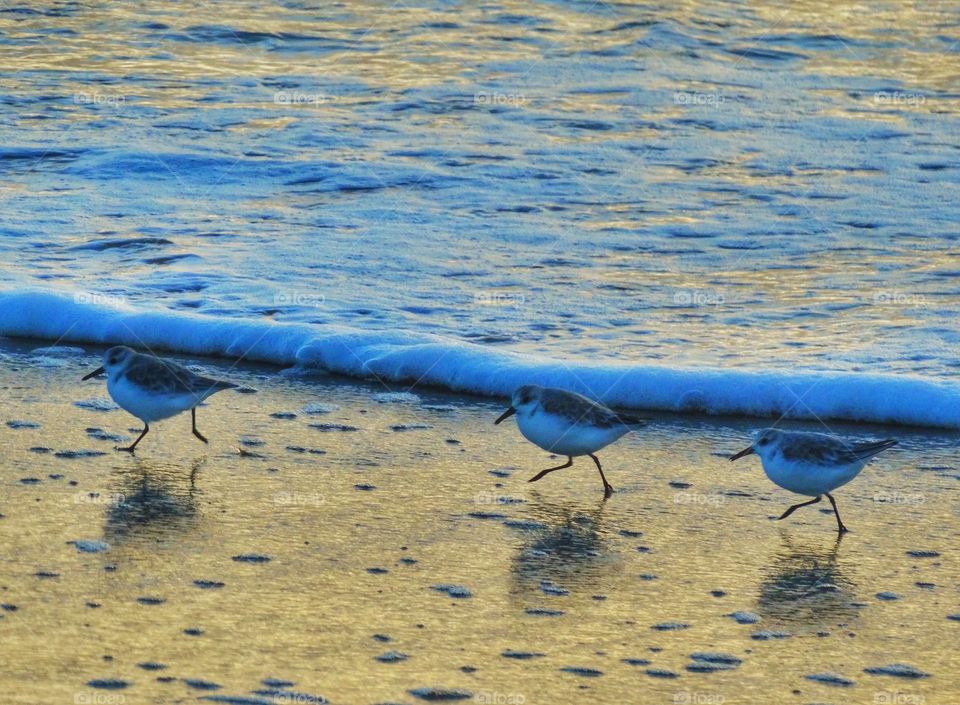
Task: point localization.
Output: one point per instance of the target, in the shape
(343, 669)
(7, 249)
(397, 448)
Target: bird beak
(746, 451)
(95, 373)
(505, 415)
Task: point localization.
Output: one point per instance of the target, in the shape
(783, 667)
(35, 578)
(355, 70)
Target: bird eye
(764, 441)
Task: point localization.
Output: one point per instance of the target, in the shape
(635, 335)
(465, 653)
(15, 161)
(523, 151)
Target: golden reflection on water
(402, 46)
(580, 580)
(807, 586)
(571, 551)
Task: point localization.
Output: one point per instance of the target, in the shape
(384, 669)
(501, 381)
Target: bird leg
(607, 487)
(795, 507)
(559, 467)
(193, 413)
(132, 447)
(841, 529)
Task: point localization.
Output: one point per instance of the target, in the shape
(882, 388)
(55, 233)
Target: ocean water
(752, 203)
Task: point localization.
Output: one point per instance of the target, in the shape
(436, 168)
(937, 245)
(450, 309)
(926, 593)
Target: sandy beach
(347, 543)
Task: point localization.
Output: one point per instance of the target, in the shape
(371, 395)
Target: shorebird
(811, 464)
(153, 389)
(567, 423)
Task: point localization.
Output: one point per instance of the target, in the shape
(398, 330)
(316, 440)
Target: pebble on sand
(277, 683)
(97, 404)
(198, 684)
(830, 679)
(208, 584)
(89, 545)
(327, 427)
(766, 634)
(550, 588)
(669, 626)
(543, 612)
(458, 591)
(898, 670)
(715, 657)
(108, 683)
(391, 657)
(521, 655)
(252, 558)
(582, 671)
(887, 596)
(440, 694)
(661, 673)
(151, 666)
(71, 454)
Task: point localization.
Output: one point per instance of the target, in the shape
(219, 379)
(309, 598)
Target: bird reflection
(570, 554)
(152, 500)
(807, 585)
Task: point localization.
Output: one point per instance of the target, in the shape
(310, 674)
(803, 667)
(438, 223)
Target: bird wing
(165, 377)
(587, 411)
(867, 450)
(821, 449)
(631, 420)
(207, 385)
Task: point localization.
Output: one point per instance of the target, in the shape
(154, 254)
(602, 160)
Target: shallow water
(426, 493)
(714, 183)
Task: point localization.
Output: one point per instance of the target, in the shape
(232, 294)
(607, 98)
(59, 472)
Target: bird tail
(206, 387)
(868, 450)
(632, 421)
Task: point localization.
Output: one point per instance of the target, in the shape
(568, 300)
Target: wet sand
(335, 543)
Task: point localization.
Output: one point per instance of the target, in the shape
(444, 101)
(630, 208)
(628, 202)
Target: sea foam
(416, 358)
